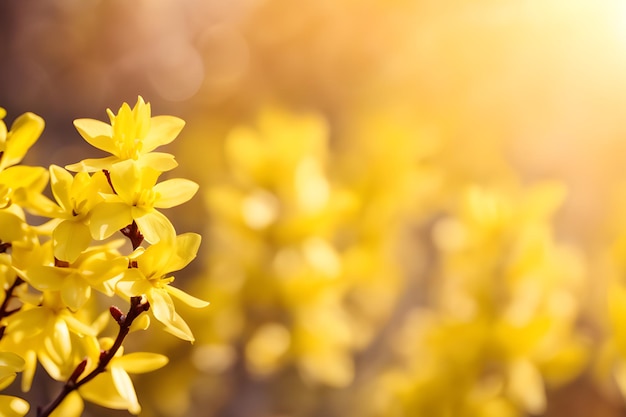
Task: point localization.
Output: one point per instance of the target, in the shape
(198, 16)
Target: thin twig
(7, 298)
(137, 306)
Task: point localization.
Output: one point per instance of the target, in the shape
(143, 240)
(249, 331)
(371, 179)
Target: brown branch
(132, 230)
(133, 234)
(7, 298)
(137, 306)
(107, 174)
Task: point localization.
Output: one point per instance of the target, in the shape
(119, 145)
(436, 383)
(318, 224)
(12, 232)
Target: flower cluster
(293, 276)
(56, 277)
(501, 325)
(300, 276)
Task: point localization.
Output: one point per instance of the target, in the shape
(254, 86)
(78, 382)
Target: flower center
(145, 198)
(128, 146)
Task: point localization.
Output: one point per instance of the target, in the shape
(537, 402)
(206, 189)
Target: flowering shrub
(501, 325)
(55, 275)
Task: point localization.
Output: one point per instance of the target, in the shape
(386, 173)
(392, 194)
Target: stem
(107, 174)
(7, 297)
(131, 231)
(133, 234)
(137, 306)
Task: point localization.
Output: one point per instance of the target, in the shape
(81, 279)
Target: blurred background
(408, 207)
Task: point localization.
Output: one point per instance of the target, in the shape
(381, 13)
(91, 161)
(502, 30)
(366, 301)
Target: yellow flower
(132, 135)
(52, 334)
(14, 228)
(91, 270)
(138, 196)
(114, 388)
(22, 185)
(14, 143)
(13, 406)
(152, 277)
(10, 365)
(502, 325)
(76, 197)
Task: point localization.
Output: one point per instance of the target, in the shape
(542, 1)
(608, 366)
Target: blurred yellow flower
(502, 326)
(10, 365)
(13, 406)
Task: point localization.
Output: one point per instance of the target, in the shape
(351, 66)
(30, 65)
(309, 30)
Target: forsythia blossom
(49, 272)
(136, 198)
(132, 135)
(151, 277)
(502, 324)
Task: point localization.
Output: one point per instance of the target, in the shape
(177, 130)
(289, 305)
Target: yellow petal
(93, 164)
(75, 292)
(103, 269)
(126, 178)
(140, 362)
(154, 261)
(526, 386)
(179, 328)
(70, 239)
(72, 406)
(60, 182)
(13, 228)
(30, 357)
(141, 116)
(23, 134)
(45, 277)
(7, 376)
(140, 323)
(50, 360)
(186, 298)
(187, 245)
(619, 373)
(10, 364)
(154, 226)
(158, 160)
(3, 135)
(35, 178)
(12, 360)
(163, 130)
(61, 339)
(102, 391)
(161, 306)
(13, 406)
(27, 323)
(107, 218)
(125, 387)
(79, 327)
(96, 133)
(133, 284)
(174, 192)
